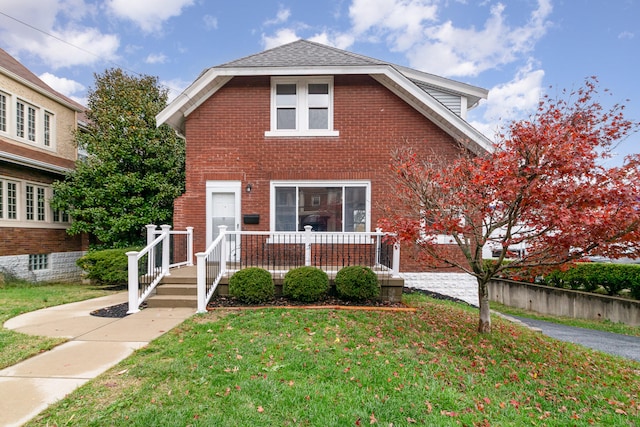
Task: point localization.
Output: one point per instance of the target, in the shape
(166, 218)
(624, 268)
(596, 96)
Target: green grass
(290, 367)
(600, 325)
(21, 297)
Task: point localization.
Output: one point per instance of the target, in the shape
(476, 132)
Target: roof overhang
(398, 82)
(32, 163)
(59, 99)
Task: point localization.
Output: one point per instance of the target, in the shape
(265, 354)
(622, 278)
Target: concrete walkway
(96, 344)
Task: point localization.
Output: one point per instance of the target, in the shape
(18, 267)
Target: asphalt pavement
(607, 342)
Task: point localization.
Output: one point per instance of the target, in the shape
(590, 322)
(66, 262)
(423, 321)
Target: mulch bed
(120, 310)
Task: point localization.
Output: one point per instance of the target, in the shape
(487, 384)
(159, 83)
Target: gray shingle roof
(303, 53)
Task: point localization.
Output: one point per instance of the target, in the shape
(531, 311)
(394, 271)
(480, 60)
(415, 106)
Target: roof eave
(32, 163)
(214, 78)
(76, 107)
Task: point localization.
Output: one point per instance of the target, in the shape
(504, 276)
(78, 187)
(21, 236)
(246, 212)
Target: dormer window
(302, 107)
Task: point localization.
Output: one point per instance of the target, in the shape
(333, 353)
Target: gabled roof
(303, 57)
(14, 69)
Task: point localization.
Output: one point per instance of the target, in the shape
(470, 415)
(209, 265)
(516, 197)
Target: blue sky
(518, 49)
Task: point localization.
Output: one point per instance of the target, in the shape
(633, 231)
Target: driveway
(607, 342)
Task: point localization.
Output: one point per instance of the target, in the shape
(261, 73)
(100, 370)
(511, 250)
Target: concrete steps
(175, 291)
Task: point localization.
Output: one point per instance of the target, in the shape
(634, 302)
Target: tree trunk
(484, 324)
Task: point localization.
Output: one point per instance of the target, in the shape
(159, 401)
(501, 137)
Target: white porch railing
(165, 249)
(278, 252)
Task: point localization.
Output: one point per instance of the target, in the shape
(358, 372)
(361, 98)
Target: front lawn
(21, 297)
(286, 367)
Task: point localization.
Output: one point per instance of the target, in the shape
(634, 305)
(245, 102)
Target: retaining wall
(565, 302)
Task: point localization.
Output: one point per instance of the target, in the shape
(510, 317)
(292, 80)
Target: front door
(223, 208)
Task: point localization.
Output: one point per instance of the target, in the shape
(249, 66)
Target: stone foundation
(62, 267)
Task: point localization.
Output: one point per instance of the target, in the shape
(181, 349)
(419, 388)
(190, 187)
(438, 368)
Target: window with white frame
(26, 122)
(3, 112)
(20, 119)
(27, 202)
(325, 206)
(8, 199)
(302, 106)
(48, 123)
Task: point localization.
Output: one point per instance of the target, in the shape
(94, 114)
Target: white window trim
(21, 206)
(12, 117)
(302, 108)
(360, 183)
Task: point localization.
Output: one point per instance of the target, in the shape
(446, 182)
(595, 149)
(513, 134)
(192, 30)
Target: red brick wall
(225, 141)
(21, 241)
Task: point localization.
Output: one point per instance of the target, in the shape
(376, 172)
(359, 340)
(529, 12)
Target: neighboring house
(37, 126)
(302, 134)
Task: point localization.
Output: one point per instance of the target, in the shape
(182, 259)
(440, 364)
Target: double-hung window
(35, 203)
(302, 107)
(8, 199)
(3, 112)
(325, 206)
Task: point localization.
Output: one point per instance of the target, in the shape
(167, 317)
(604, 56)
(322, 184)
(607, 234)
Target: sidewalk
(96, 344)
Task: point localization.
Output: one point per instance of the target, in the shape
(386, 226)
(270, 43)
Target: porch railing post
(201, 268)
(151, 258)
(307, 245)
(132, 263)
(395, 269)
(224, 251)
(166, 242)
(378, 246)
(189, 245)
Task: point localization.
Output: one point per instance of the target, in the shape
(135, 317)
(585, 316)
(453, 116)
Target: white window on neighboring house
(8, 199)
(20, 119)
(326, 206)
(3, 112)
(48, 128)
(302, 106)
(34, 203)
(31, 123)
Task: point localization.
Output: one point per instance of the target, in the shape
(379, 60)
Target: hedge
(589, 277)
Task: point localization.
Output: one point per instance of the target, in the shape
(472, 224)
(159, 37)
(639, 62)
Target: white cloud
(210, 22)
(514, 100)
(58, 18)
(453, 51)
(626, 35)
(63, 85)
(149, 15)
(281, 17)
(156, 58)
(400, 21)
(282, 36)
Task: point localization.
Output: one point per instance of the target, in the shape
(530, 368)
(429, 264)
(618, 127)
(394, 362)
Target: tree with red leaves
(543, 188)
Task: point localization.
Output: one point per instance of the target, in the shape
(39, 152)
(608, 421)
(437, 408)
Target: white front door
(223, 208)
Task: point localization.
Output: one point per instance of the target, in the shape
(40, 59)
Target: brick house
(36, 148)
(302, 135)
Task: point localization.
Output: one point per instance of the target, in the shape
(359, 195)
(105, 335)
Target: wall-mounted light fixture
(249, 188)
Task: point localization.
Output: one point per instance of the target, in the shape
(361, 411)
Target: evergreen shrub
(252, 285)
(108, 267)
(357, 283)
(306, 284)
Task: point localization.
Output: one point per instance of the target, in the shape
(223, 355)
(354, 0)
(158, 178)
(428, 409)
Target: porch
(163, 273)
(180, 288)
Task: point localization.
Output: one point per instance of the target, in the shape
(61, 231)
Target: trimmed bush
(107, 267)
(305, 284)
(589, 277)
(357, 283)
(252, 285)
